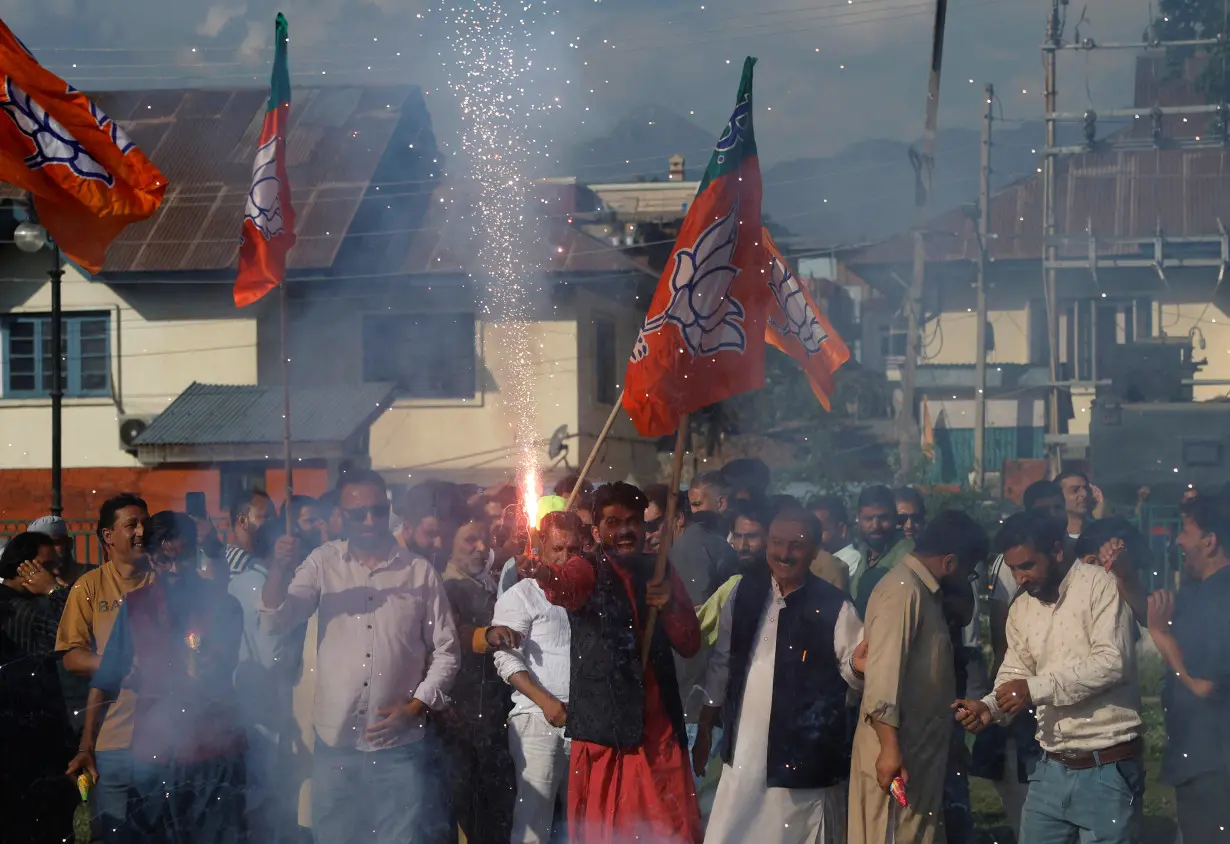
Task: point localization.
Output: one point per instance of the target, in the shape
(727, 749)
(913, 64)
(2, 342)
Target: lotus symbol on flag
(732, 135)
(52, 142)
(710, 320)
(800, 319)
(264, 206)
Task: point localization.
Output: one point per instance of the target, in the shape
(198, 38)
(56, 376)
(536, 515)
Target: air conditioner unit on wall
(131, 427)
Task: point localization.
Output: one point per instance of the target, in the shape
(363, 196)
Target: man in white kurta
(747, 808)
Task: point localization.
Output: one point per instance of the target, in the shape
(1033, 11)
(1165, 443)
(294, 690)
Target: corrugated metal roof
(204, 142)
(446, 242)
(1108, 194)
(220, 414)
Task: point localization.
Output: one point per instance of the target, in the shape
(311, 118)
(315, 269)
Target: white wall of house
(951, 338)
(1001, 413)
(1214, 325)
(475, 438)
(160, 340)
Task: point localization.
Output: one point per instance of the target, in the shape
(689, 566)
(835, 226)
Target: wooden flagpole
(593, 452)
(286, 457)
(668, 531)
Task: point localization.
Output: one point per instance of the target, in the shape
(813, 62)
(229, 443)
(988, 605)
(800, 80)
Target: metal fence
(1161, 523)
(85, 540)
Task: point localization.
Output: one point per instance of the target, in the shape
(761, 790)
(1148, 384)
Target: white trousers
(540, 757)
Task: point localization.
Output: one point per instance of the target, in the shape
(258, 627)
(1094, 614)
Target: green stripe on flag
(279, 84)
(738, 140)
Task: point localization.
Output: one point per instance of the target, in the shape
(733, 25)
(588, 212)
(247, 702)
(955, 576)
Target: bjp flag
(88, 179)
(268, 218)
(703, 338)
(799, 328)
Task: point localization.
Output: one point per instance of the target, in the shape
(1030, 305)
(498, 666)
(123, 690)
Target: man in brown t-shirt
(85, 627)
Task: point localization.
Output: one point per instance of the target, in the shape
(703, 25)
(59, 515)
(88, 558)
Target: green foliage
(786, 413)
(1180, 20)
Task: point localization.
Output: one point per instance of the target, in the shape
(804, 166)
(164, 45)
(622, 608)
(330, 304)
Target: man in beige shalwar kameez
(905, 723)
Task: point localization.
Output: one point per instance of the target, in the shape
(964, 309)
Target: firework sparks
(491, 42)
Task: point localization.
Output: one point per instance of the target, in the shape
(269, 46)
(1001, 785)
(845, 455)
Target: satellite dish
(557, 446)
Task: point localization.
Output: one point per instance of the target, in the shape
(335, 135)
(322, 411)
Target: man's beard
(878, 542)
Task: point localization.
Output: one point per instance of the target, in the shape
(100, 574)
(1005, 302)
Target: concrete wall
(472, 439)
(162, 338)
(951, 338)
(475, 439)
(625, 455)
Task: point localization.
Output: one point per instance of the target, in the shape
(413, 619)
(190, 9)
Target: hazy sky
(684, 55)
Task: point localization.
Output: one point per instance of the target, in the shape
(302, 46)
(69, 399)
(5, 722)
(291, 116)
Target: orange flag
(268, 218)
(88, 179)
(799, 328)
(703, 338)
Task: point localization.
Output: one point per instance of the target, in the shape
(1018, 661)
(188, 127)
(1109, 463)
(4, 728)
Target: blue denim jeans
(1101, 804)
(187, 802)
(394, 796)
(109, 796)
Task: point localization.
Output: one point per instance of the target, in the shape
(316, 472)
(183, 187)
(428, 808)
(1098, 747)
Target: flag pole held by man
(269, 219)
(88, 179)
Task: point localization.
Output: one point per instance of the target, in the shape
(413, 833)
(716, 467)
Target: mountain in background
(863, 193)
(639, 146)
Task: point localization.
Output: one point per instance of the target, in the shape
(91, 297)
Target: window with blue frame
(85, 350)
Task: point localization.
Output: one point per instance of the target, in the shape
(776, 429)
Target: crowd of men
(797, 676)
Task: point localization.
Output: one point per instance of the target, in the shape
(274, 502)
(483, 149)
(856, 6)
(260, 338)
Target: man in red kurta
(630, 776)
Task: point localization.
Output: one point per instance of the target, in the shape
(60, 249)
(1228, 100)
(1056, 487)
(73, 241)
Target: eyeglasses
(360, 514)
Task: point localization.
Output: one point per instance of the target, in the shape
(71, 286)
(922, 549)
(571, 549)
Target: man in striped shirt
(248, 516)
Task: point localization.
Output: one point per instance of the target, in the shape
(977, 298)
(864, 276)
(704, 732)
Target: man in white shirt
(1015, 744)
(1070, 656)
(538, 672)
(388, 652)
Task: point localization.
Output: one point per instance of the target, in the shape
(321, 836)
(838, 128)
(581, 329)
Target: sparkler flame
(194, 640)
(492, 43)
(530, 487)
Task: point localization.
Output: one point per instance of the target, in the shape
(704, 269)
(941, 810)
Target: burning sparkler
(491, 53)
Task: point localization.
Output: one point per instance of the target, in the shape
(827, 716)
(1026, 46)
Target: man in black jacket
(787, 651)
(629, 775)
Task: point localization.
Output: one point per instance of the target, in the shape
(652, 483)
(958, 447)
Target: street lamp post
(31, 237)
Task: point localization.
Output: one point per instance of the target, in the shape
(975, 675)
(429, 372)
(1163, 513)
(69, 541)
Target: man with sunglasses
(387, 655)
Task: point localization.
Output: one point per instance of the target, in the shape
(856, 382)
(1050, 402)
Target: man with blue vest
(787, 651)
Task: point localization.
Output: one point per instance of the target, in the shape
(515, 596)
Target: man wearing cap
(56, 528)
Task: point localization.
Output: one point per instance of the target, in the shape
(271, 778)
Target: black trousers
(1204, 809)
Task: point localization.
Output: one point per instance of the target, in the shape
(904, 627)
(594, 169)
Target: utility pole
(1049, 58)
(907, 430)
(984, 228)
(56, 277)
(1157, 252)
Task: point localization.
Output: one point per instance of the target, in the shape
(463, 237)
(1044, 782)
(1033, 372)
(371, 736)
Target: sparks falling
(491, 42)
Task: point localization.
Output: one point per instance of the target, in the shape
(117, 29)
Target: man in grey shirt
(387, 654)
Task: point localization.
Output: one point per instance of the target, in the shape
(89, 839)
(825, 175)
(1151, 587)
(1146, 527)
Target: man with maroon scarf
(630, 776)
